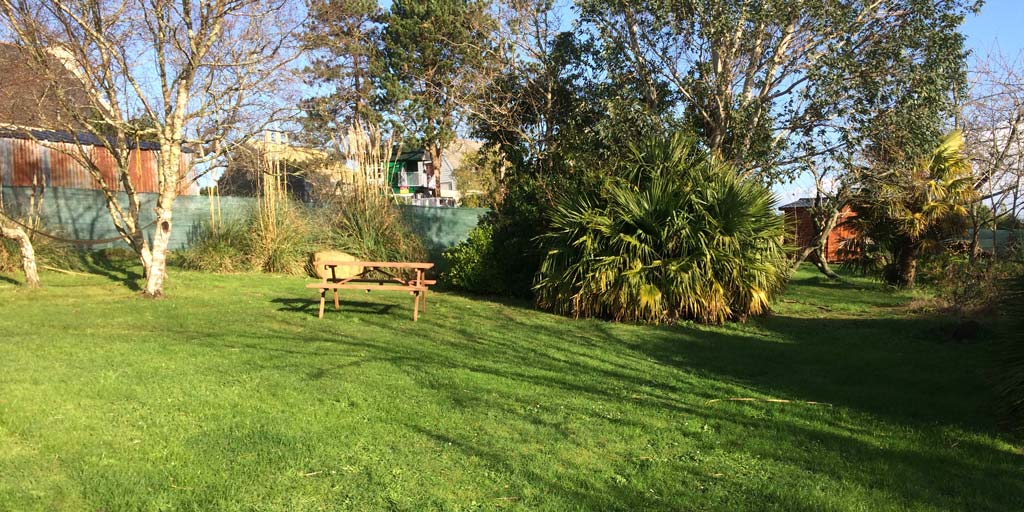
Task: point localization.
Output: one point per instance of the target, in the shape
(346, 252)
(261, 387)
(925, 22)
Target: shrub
(470, 264)
(283, 238)
(967, 288)
(370, 226)
(679, 236)
(218, 250)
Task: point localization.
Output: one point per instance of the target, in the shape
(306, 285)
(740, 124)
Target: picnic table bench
(392, 281)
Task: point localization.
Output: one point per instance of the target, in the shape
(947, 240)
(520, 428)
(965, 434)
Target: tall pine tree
(435, 55)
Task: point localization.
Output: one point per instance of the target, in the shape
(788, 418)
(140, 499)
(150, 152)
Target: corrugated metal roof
(29, 92)
(84, 138)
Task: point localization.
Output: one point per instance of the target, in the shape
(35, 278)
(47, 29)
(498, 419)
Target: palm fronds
(679, 236)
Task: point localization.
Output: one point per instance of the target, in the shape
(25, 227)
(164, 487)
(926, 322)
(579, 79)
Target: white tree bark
(28, 254)
(200, 74)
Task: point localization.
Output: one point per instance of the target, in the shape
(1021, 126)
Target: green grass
(231, 395)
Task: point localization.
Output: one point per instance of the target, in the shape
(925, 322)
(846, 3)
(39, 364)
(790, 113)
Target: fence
(81, 214)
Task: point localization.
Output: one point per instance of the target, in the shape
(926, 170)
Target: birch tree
(194, 76)
(18, 235)
(993, 124)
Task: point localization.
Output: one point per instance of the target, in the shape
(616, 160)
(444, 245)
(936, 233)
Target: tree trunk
(158, 258)
(28, 254)
(169, 165)
(824, 223)
(821, 261)
(435, 158)
(975, 247)
(906, 265)
(141, 249)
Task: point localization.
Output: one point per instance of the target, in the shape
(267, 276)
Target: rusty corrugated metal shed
(26, 162)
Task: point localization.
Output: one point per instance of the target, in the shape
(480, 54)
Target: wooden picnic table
(391, 280)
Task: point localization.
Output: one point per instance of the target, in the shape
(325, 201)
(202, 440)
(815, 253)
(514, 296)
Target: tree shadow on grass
(888, 368)
(907, 478)
(121, 270)
(311, 306)
(9, 280)
(895, 368)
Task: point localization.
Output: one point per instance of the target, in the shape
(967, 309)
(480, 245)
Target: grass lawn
(231, 395)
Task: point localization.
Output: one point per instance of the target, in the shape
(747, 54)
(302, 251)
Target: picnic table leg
(419, 282)
(334, 279)
(323, 298)
(416, 307)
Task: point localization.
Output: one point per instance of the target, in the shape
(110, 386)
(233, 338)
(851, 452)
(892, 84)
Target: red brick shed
(798, 215)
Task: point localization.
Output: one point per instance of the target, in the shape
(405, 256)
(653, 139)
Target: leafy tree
(900, 87)
(434, 53)
(762, 83)
(480, 177)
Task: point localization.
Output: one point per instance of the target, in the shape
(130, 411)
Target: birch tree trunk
(168, 172)
(28, 254)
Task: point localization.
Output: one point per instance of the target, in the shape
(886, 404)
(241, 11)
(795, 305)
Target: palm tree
(906, 208)
(676, 235)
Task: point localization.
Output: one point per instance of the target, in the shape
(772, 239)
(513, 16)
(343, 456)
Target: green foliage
(905, 208)
(433, 51)
(219, 250)
(470, 264)
(517, 223)
(370, 226)
(733, 74)
(479, 178)
(1009, 352)
(283, 239)
(343, 39)
(277, 240)
(679, 237)
(969, 288)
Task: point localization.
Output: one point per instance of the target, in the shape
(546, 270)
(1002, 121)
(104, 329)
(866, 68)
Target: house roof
(84, 138)
(803, 202)
(412, 155)
(29, 95)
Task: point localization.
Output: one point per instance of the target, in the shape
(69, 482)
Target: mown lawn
(231, 395)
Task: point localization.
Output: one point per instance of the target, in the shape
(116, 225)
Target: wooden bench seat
(365, 286)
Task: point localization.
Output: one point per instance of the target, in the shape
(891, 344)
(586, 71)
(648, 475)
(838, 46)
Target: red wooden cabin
(798, 217)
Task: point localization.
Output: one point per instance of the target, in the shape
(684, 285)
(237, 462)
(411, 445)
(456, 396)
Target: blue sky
(1000, 23)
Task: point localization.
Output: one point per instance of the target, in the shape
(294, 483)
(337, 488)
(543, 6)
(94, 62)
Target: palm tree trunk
(906, 264)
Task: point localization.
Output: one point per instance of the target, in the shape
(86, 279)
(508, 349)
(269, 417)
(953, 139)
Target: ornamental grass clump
(673, 235)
